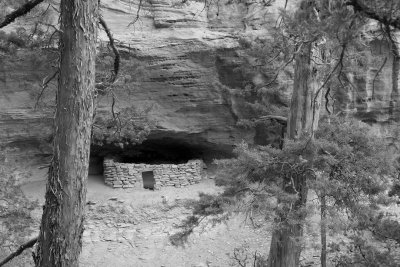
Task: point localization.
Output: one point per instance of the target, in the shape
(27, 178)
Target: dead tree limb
(21, 249)
(280, 119)
(327, 100)
(21, 11)
(45, 83)
(117, 56)
(114, 72)
(137, 14)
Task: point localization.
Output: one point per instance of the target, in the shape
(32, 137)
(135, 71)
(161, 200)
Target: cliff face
(182, 59)
(180, 62)
(374, 95)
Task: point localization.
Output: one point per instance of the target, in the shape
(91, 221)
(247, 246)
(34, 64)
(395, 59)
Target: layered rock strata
(180, 61)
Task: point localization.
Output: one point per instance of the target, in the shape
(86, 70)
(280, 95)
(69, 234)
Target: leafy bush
(127, 126)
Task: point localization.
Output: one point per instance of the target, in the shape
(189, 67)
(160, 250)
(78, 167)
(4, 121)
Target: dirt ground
(131, 227)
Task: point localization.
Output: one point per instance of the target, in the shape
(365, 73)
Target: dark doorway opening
(148, 180)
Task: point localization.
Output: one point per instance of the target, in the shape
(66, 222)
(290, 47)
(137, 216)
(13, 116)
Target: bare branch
(115, 51)
(21, 249)
(21, 11)
(137, 14)
(393, 42)
(45, 83)
(280, 119)
(339, 62)
(327, 100)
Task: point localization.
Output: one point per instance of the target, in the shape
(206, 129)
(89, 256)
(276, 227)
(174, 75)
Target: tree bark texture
(286, 243)
(303, 118)
(323, 231)
(286, 240)
(395, 95)
(61, 229)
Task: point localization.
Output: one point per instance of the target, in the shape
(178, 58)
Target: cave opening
(165, 150)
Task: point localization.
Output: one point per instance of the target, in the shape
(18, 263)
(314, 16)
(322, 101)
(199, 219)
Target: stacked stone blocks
(129, 175)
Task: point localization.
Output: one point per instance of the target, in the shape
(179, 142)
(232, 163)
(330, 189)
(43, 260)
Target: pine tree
(59, 242)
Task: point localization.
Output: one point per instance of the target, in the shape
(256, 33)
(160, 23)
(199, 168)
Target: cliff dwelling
(152, 176)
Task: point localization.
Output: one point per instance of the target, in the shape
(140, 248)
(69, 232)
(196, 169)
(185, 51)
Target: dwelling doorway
(148, 180)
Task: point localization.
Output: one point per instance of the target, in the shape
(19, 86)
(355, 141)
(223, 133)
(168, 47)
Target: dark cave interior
(164, 150)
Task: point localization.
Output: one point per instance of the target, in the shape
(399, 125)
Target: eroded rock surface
(178, 59)
(180, 62)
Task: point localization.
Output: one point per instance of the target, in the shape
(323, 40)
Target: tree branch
(117, 56)
(21, 249)
(21, 11)
(393, 42)
(45, 83)
(327, 100)
(376, 76)
(370, 12)
(280, 119)
(137, 13)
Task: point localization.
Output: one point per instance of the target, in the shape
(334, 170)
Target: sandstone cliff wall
(180, 60)
(176, 57)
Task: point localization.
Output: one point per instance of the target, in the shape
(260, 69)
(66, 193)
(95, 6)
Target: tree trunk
(323, 231)
(285, 246)
(395, 96)
(303, 118)
(61, 229)
(286, 241)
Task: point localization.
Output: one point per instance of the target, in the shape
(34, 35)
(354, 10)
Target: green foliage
(32, 31)
(353, 158)
(127, 126)
(211, 208)
(267, 87)
(9, 42)
(356, 171)
(23, 38)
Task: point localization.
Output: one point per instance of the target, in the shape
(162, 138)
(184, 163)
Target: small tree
(355, 171)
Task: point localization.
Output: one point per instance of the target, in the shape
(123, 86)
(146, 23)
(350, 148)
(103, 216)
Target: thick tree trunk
(303, 118)
(59, 242)
(286, 241)
(395, 96)
(285, 246)
(323, 231)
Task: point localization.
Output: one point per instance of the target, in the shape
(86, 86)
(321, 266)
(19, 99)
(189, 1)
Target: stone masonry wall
(129, 175)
